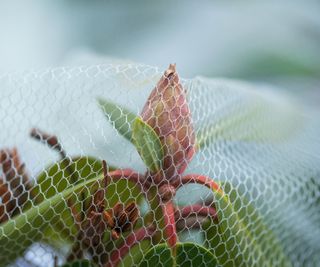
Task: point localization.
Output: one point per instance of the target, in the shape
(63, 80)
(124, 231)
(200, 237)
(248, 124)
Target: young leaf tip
(171, 70)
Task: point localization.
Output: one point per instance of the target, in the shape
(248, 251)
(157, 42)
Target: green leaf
(56, 177)
(17, 234)
(135, 255)
(239, 236)
(119, 117)
(80, 263)
(188, 254)
(148, 145)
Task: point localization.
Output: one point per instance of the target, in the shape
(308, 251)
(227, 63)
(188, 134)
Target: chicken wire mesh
(236, 181)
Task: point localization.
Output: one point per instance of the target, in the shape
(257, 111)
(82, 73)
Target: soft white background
(212, 38)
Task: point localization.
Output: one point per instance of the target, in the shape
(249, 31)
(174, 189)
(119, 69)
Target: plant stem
(129, 175)
(133, 239)
(170, 223)
(170, 230)
(53, 142)
(198, 179)
(196, 209)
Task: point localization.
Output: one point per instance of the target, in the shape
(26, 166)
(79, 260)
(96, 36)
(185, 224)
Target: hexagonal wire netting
(260, 145)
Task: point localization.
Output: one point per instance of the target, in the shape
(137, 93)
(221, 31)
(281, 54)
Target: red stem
(130, 175)
(170, 223)
(105, 174)
(198, 179)
(135, 238)
(196, 209)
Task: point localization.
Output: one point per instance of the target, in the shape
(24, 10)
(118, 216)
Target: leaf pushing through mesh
(148, 145)
(120, 117)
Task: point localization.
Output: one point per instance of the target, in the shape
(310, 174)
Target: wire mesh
(260, 146)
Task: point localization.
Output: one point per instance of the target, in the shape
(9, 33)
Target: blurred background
(273, 41)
